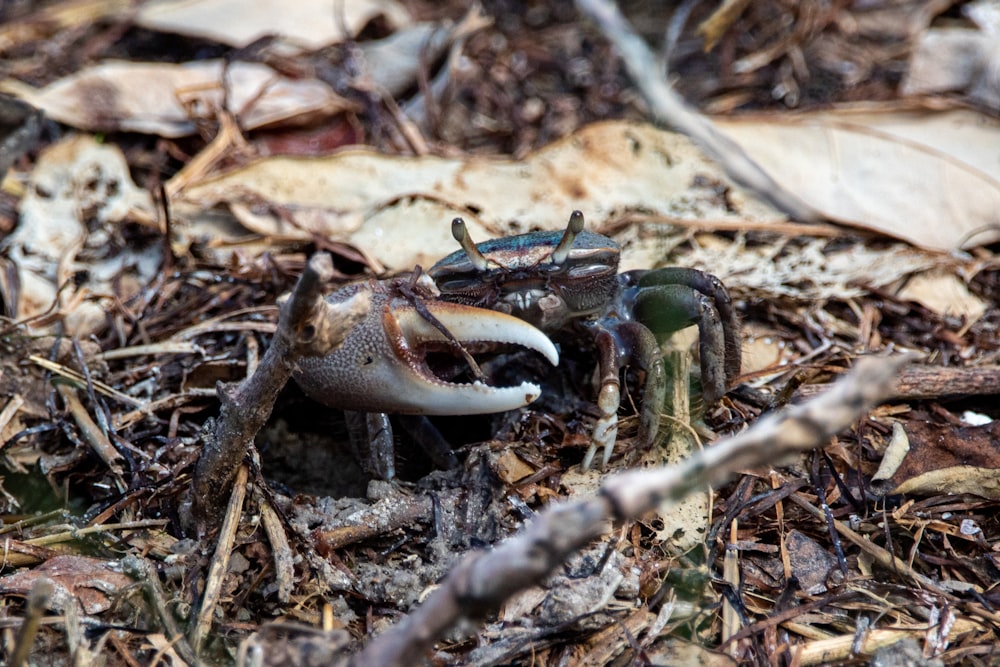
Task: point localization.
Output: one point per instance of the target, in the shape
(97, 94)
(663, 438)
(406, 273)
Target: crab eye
(586, 270)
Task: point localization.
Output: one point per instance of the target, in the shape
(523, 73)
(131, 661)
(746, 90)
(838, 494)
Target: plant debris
(159, 507)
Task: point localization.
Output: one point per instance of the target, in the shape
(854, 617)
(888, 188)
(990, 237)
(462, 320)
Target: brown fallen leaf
(511, 469)
(947, 459)
(167, 99)
(91, 582)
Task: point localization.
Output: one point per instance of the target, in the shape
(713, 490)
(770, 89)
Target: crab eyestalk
(461, 234)
(574, 227)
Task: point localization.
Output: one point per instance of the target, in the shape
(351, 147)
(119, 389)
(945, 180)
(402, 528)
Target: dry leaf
(959, 60)
(929, 178)
(359, 195)
(92, 583)
(943, 293)
(813, 271)
(511, 469)
(168, 100)
(78, 189)
(312, 24)
(810, 562)
(895, 453)
(762, 349)
(946, 459)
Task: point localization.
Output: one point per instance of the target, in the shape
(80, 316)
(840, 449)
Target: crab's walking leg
(371, 438)
(617, 345)
(644, 353)
(682, 308)
(609, 396)
(430, 440)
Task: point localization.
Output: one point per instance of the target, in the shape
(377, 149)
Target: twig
(220, 561)
(920, 382)
(284, 559)
(94, 436)
(669, 108)
(307, 326)
(143, 572)
(38, 600)
(483, 581)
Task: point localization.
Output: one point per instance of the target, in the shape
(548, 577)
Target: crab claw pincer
(382, 364)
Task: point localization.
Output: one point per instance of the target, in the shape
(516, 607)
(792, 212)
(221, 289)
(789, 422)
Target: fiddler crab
(533, 290)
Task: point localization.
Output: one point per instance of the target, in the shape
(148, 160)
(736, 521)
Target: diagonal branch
(482, 581)
(669, 108)
(307, 326)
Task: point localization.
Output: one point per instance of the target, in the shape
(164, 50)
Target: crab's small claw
(382, 365)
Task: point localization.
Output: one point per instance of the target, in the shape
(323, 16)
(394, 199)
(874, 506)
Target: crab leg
(370, 434)
(640, 347)
(675, 297)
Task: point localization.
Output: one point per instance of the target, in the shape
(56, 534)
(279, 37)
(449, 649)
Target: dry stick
(481, 582)
(281, 550)
(38, 600)
(220, 561)
(669, 108)
(919, 382)
(143, 572)
(308, 325)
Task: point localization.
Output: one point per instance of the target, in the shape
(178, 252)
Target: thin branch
(484, 580)
(307, 326)
(669, 108)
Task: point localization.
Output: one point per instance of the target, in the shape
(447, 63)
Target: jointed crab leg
(617, 345)
(705, 302)
(371, 438)
(672, 299)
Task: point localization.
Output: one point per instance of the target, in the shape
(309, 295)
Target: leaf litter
(89, 253)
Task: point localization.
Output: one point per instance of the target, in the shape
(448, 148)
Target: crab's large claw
(382, 365)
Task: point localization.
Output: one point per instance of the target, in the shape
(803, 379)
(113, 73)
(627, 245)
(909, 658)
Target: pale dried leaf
(891, 172)
(168, 100)
(985, 14)
(943, 293)
(394, 63)
(809, 271)
(895, 452)
(953, 60)
(603, 169)
(762, 350)
(311, 24)
(77, 188)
